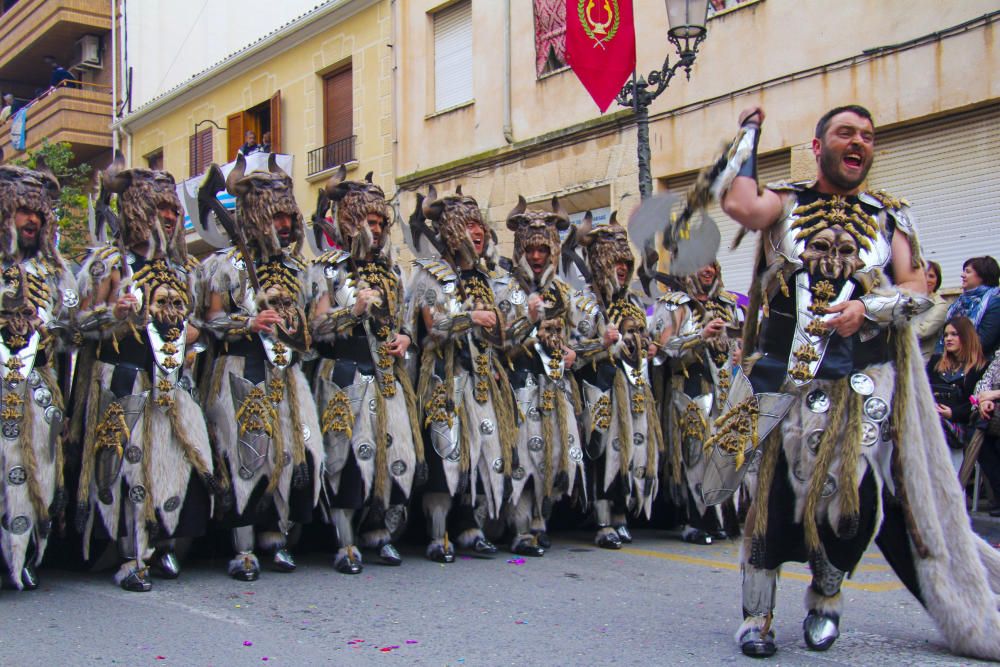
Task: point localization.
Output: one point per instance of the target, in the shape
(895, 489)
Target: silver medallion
(812, 440)
(70, 298)
(616, 444)
(638, 439)
(448, 288)
(388, 439)
(534, 414)
(575, 454)
(862, 384)
(137, 493)
(640, 472)
(535, 444)
(571, 438)
(869, 433)
(52, 413)
(885, 431)
(818, 401)
(34, 378)
(518, 473)
(497, 465)
(306, 433)
(43, 396)
(876, 408)
(799, 469)
(398, 467)
(20, 525)
(517, 297)
(287, 458)
(371, 406)
(486, 427)
(430, 297)
(172, 503)
(97, 268)
(530, 381)
(504, 306)
(541, 467)
(240, 264)
(245, 473)
(11, 430)
(133, 454)
(330, 271)
(829, 487)
(753, 462)
(365, 451)
(584, 326)
(17, 475)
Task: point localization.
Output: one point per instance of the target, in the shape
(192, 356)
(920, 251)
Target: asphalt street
(656, 602)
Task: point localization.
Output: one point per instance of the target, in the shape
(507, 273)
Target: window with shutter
(200, 151)
(154, 160)
(453, 56)
(550, 35)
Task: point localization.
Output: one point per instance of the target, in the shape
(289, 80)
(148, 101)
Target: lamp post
(687, 20)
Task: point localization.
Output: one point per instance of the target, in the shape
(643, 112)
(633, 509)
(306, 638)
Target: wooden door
(234, 135)
(276, 122)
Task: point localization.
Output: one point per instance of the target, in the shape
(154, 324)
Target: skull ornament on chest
(550, 335)
(17, 323)
(167, 306)
(281, 301)
(633, 340)
(831, 253)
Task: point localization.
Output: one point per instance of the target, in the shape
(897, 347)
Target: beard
(28, 247)
(829, 164)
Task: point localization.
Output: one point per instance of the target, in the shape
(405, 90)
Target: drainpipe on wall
(508, 128)
(114, 72)
(394, 19)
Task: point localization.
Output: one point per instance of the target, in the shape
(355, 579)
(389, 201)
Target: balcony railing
(330, 156)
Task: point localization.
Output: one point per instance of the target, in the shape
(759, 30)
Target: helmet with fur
(693, 286)
(449, 216)
(533, 228)
(36, 191)
(261, 195)
(354, 202)
(141, 193)
(606, 245)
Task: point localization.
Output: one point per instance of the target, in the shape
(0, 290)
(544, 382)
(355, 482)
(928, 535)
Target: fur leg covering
(243, 562)
(343, 523)
(436, 506)
(271, 540)
(825, 605)
(519, 519)
(755, 624)
(468, 537)
(375, 539)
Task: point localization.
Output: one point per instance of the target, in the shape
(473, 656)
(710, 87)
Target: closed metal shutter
(949, 171)
(453, 56)
(737, 265)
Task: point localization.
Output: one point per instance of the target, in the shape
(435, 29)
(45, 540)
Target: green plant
(74, 179)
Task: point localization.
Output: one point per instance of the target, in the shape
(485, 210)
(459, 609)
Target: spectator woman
(980, 301)
(928, 325)
(988, 395)
(953, 376)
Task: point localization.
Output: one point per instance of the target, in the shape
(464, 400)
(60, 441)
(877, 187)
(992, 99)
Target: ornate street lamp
(687, 20)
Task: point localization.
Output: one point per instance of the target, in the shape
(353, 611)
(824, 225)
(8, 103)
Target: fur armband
(454, 325)
(676, 346)
(334, 322)
(229, 326)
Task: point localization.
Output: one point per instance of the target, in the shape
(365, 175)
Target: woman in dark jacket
(953, 376)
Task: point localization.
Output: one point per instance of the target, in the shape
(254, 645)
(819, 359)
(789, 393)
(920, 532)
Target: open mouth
(29, 231)
(853, 160)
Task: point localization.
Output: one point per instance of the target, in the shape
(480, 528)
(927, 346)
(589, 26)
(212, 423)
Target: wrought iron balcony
(329, 156)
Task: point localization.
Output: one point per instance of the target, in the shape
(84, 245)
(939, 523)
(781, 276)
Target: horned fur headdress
(353, 202)
(533, 228)
(260, 195)
(141, 193)
(36, 191)
(606, 245)
(449, 216)
(693, 286)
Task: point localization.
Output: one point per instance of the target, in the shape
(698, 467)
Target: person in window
(265, 143)
(980, 301)
(250, 145)
(953, 376)
(8, 108)
(62, 76)
(929, 324)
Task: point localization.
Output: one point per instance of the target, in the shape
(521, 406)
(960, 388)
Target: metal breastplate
(823, 244)
(168, 356)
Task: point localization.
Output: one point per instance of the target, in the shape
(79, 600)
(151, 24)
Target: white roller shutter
(949, 171)
(737, 265)
(453, 55)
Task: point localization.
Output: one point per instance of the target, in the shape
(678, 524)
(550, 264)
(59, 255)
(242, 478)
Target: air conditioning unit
(87, 52)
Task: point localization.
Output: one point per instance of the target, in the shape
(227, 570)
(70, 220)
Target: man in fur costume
(146, 467)
(698, 331)
(622, 433)
(468, 411)
(834, 413)
(259, 408)
(549, 455)
(369, 419)
(38, 299)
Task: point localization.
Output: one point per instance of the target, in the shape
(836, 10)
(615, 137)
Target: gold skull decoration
(551, 335)
(168, 306)
(832, 253)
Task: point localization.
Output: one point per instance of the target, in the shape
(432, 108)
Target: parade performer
(369, 419)
(835, 413)
(699, 331)
(467, 407)
(537, 312)
(146, 472)
(258, 405)
(622, 433)
(38, 301)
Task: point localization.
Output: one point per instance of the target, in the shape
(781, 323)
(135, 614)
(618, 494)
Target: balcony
(330, 156)
(81, 116)
(33, 29)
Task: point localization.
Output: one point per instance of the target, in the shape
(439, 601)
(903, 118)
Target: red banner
(600, 46)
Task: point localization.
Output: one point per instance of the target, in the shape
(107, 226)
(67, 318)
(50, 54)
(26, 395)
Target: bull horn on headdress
(272, 166)
(516, 212)
(562, 217)
(432, 207)
(583, 230)
(368, 177)
(235, 176)
(458, 189)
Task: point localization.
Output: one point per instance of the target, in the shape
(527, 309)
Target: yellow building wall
(297, 73)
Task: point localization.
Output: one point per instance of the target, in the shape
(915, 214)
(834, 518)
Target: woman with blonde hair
(953, 375)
